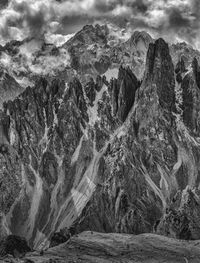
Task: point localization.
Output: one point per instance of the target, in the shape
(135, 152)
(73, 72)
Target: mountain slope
(110, 153)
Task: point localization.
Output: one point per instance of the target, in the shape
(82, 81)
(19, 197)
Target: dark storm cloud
(25, 18)
(34, 21)
(140, 6)
(177, 20)
(3, 3)
(195, 7)
(173, 19)
(108, 6)
(184, 22)
(73, 23)
(104, 7)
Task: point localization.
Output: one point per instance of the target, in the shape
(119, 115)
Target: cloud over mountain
(177, 19)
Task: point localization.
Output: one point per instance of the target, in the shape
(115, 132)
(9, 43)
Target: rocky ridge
(105, 154)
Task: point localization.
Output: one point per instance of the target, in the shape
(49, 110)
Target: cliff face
(152, 159)
(119, 155)
(9, 88)
(38, 157)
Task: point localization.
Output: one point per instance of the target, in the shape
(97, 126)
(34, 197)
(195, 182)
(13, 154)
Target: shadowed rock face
(191, 96)
(196, 71)
(59, 238)
(160, 72)
(123, 93)
(104, 155)
(13, 245)
(90, 91)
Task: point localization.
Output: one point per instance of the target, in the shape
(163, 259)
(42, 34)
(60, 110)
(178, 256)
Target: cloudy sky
(172, 19)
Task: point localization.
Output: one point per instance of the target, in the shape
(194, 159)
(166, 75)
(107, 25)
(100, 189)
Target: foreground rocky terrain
(109, 143)
(102, 248)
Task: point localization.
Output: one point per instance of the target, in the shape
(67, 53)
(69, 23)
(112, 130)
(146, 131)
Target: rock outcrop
(116, 248)
(13, 245)
(9, 88)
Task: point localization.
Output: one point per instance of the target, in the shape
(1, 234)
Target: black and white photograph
(99, 131)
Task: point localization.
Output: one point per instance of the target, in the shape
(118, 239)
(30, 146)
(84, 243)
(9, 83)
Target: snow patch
(93, 111)
(37, 241)
(81, 198)
(154, 187)
(12, 137)
(77, 151)
(35, 202)
(4, 225)
(24, 82)
(164, 180)
(55, 117)
(45, 140)
(111, 73)
(117, 202)
(57, 39)
(5, 59)
(121, 133)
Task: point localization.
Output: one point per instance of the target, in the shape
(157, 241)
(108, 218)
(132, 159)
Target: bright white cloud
(57, 39)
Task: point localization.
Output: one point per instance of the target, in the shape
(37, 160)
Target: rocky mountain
(93, 51)
(110, 142)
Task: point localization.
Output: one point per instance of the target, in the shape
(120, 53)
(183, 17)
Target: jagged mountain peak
(159, 48)
(92, 51)
(196, 71)
(139, 38)
(159, 62)
(111, 145)
(184, 50)
(89, 35)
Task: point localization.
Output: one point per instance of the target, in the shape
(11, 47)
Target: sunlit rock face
(114, 152)
(9, 87)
